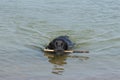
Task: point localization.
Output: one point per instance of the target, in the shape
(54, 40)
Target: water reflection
(59, 61)
(82, 58)
(58, 69)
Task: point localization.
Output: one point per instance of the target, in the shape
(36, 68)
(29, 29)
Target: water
(27, 26)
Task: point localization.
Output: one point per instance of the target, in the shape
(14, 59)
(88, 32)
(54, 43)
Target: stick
(67, 51)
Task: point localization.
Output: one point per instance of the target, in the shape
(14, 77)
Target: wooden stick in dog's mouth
(67, 51)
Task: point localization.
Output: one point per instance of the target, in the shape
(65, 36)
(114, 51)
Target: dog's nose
(59, 51)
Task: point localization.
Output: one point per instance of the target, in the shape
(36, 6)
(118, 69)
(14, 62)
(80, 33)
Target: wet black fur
(61, 43)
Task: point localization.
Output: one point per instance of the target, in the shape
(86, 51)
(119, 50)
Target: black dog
(60, 44)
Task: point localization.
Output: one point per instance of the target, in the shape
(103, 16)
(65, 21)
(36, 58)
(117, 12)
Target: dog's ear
(51, 45)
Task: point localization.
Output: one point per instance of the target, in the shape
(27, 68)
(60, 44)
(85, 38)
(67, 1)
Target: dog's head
(59, 45)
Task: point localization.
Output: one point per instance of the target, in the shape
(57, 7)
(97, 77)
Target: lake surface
(27, 26)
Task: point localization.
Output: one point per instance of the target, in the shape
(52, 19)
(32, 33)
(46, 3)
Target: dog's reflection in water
(60, 60)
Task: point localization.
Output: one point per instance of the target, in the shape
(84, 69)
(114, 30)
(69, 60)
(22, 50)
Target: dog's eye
(62, 44)
(56, 43)
(59, 43)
